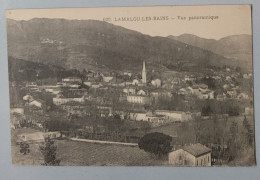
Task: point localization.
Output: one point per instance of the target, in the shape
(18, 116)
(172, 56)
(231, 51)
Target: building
(189, 78)
(28, 98)
(144, 74)
(242, 96)
(107, 78)
(129, 90)
(136, 82)
(191, 155)
(17, 110)
(30, 137)
(139, 99)
(161, 93)
(221, 97)
(174, 115)
(63, 100)
(38, 103)
(249, 110)
(71, 79)
(156, 82)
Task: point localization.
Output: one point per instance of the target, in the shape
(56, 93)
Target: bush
(156, 143)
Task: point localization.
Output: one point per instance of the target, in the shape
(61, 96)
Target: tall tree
(48, 150)
(156, 143)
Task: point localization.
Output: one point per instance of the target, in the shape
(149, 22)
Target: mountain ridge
(237, 48)
(89, 43)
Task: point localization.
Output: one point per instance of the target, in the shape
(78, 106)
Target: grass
(75, 153)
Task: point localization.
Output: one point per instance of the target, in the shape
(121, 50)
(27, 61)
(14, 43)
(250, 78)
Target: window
(179, 157)
(197, 162)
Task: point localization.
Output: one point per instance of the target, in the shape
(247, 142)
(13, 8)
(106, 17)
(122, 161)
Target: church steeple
(144, 74)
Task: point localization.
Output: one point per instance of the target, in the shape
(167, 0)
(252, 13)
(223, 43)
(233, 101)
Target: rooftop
(196, 149)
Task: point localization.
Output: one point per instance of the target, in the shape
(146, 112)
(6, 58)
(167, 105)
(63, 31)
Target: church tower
(144, 74)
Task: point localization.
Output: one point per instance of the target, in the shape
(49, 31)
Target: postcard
(131, 86)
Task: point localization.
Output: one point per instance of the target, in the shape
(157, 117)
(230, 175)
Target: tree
(48, 150)
(249, 132)
(156, 143)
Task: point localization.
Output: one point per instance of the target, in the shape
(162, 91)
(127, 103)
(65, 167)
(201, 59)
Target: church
(143, 81)
(144, 74)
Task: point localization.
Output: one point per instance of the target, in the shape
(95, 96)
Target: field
(74, 153)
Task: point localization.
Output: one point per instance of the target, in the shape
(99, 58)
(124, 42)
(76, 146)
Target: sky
(224, 20)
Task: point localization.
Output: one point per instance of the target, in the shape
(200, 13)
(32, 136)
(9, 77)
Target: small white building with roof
(191, 155)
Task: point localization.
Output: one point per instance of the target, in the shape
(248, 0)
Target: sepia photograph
(131, 86)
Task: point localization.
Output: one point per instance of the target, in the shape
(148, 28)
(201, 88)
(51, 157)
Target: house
(96, 85)
(52, 135)
(138, 116)
(228, 78)
(71, 79)
(221, 97)
(161, 93)
(191, 155)
(16, 119)
(30, 137)
(194, 89)
(38, 103)
(129, 90)
(88, 83)
(247, 76)
(107, 78)
(104, 111)
(27, 98)
(203, 88)
(249, 110)
(136, 82)
(184, 91)
(62, 100)
(225, 86)
(127, 73)
(189, 78)
(156, 82)
(141, 92)
(174, 115)
(17, 110)
(242, 96)
(139, 99)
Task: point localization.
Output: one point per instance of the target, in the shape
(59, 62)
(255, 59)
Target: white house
(141, 92)
(156, 82)
(27, 98)
(138, 116)
(129, 90)
(189, 78)
(71, 79)
(17, 110)
(242, 96)
(37, 103)
(107, 78)
(139, 99)
(174, 115)
(62, 100)
(136, 82)
(191, 155)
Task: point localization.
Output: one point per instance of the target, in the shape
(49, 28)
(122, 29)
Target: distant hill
(238, 48)
(96, 44)
(22, 70)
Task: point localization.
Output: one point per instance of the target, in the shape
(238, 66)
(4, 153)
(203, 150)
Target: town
(209, 112)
